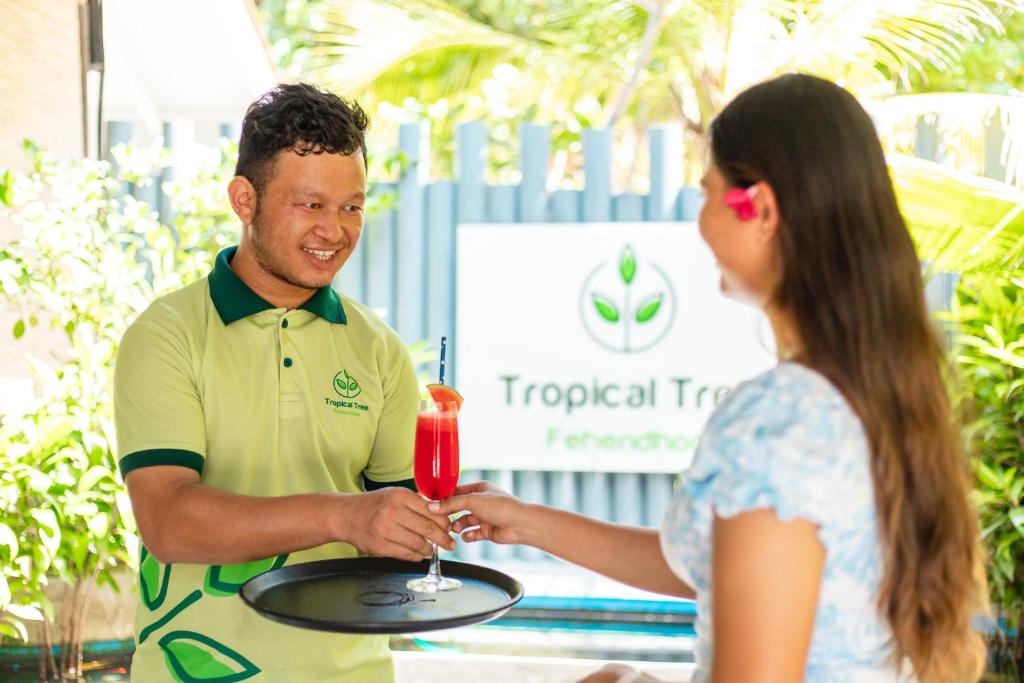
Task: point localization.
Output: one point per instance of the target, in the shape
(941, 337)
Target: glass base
(433, 584)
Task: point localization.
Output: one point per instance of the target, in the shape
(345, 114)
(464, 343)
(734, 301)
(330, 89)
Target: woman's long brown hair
(852, 283)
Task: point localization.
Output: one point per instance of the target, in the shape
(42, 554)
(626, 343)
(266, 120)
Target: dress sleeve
(776, 444)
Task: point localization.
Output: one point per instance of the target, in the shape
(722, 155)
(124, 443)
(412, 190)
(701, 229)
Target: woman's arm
(766, 575)
(631, 555)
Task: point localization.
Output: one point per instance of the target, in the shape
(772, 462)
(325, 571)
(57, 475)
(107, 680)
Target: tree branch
(695, 127)
(655, 22)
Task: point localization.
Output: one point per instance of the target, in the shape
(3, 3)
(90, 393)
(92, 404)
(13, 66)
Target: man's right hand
(392, 522)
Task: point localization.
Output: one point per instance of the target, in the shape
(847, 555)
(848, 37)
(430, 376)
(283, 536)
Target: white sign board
(594, 347)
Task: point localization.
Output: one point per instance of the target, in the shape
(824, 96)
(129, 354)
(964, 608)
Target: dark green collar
(234, 300)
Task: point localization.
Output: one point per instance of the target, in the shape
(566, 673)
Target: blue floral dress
(788, 440)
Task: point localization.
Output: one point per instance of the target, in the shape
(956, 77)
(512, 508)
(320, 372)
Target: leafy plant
(88, 260)
(988, 319)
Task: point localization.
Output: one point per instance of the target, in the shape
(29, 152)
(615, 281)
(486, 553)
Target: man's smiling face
(309, 216)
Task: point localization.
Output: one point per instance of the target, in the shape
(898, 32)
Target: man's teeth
(322, 255)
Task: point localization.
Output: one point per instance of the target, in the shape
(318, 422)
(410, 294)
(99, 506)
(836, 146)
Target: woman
(824, 525)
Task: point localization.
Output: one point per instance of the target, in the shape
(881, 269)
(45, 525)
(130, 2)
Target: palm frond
(960, 222)
(355, 41)
(897, 35)
(430, 49)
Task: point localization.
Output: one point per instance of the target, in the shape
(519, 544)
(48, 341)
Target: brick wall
(40, 99)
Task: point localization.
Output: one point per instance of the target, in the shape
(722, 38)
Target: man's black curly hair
(298, 117)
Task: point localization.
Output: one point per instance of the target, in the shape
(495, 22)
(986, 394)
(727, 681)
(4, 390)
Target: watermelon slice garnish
(442, 393)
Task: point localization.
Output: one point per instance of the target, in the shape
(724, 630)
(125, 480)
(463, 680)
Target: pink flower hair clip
(741, 201)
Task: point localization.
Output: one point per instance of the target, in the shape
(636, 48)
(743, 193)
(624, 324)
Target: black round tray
(368, 595)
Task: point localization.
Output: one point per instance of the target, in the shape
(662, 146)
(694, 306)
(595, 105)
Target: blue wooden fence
(406, 266)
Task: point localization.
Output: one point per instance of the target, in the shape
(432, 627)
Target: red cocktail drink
(436, 468)
(437, 454)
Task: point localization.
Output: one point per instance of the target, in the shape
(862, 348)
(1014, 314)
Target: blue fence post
(666, 149)
(690, 201)
(926, 140)
(470, 194)
(413, 142)
(351, 279)
(597, 171)
(597, 153)
(927, 145)
(380, 258)
(470, 169)
(625, 487)
(501, 208)
(178, 137)
(501, 204)
(627, 498)
(440, 289)
(231, 131)
(533, 154)
(563, 490)
(995, 136)
(595, 496)
(565, 206)
(628, 207)
(470, 205)
(658, 494)
(535, 147)
(118, 133)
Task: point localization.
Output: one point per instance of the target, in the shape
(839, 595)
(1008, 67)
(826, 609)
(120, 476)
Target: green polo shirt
(260, 401)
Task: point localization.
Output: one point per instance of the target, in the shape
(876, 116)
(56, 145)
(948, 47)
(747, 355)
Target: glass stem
(434, 573)
(435, 566)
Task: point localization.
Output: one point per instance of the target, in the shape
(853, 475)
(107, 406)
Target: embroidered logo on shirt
(346, 386)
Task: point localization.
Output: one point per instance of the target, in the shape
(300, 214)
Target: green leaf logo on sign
(627, 266)
(649, 308)
(194, 658)
(605, 308)
(627, 305)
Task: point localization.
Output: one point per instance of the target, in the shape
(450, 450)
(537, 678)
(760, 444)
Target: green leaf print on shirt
(152, 585)
(194, 658)
(226, 580)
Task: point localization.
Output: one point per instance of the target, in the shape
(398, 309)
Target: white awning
(202, 60)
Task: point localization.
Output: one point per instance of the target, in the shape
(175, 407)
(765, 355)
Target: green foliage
(988, 317)
(993, 64)
(88, 261)
(592, 63)
(960, 222)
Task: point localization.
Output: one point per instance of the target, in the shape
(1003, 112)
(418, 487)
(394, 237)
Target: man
(263, 419)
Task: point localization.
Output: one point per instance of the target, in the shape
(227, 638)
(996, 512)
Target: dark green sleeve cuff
(372, 485)
(161, 456)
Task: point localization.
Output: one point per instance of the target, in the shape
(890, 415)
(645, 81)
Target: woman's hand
(494, 515)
